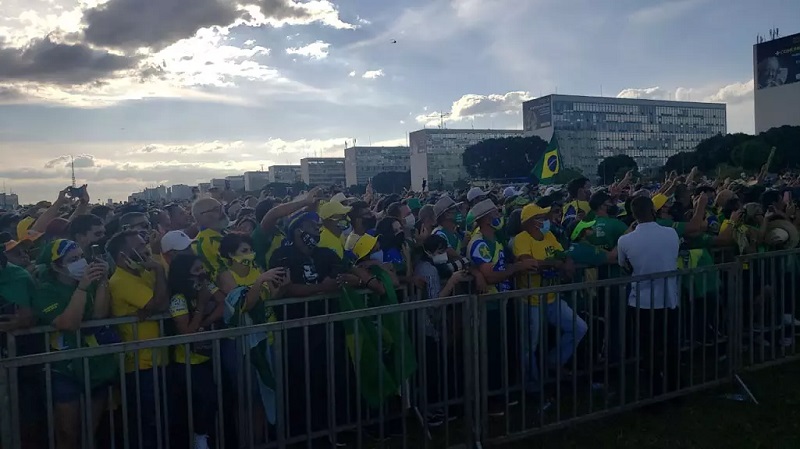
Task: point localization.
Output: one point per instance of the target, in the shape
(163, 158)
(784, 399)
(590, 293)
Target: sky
(144, 92)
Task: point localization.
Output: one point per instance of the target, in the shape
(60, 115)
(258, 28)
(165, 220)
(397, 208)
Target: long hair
(180, 280)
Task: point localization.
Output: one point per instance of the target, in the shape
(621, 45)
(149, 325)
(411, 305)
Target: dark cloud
(10, 94)
(81, 161)
(130, 24)
(283, 9)
(43, 60)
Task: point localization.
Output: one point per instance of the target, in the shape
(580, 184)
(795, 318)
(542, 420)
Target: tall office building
(324, 171)
(590, 129)
(776, 71)
(288, 174)
(218, 183)
(436, 154)
(363, 163)
(235, 183)
(9, 201)
(180, 192)
(255, 180)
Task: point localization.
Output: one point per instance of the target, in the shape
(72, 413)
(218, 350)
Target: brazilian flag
(550, 163)
(385, 360)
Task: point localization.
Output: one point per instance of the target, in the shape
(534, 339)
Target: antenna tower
(72, 165)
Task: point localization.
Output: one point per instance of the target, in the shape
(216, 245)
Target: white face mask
(410, 220)
(77, 269)
(377, 255)
(438, 259)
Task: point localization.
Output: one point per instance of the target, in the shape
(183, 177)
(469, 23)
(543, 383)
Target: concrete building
(590, 129)
(180, 192)
(284, 173)
(235, 183)
(9, 201)
(435, 154)
(363, 163)
(776, 75)
(204, 186)
(255, 180)
(324, 171)
(218, 183)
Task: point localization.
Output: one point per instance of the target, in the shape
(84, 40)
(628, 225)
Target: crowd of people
(219, 260)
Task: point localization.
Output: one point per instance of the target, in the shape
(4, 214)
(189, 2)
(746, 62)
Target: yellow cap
(659, 200)
(532, 210)
(364, 246)
(331, 209)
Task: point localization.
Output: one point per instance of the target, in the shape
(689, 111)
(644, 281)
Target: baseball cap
(510, 192)
(532, 210)
(364, 246)
(475, 192)
(579, 227)
(175, 241)
(332, 208)
(659, 200)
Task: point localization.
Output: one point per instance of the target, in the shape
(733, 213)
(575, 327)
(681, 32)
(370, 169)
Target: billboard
(778, 62)
(538, 114)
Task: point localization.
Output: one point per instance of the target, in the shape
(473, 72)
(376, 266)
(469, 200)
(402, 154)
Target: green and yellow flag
(550, 163)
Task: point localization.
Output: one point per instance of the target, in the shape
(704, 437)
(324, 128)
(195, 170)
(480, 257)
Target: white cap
(175, 241)
(475, 192)
(510, 192)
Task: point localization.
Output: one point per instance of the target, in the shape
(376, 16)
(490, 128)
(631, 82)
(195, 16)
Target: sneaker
(789, 320)
(200, 441)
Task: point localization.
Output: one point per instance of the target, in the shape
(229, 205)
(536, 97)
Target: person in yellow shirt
(334, 223)
(195, 304)
(138, 287)
(212, 221)
(537, 244)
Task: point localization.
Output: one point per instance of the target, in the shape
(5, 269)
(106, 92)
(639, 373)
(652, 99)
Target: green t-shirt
(50, 300)
(583, 253)
(16, 288)
(678, 226)
(607, 231)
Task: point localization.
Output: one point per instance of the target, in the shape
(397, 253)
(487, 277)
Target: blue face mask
(377, 255)
(545, 226)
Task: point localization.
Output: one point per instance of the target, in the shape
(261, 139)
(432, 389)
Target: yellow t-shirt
(526, 245)
(328, 239)
(129, 294)
(206, 246)
(178, 306)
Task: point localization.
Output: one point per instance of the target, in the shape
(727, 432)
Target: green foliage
(565, 175)
(391, 181)
(611, 167)
(512, 157)
(741, 150)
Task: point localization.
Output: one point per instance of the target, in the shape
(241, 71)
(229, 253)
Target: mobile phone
(96, 253)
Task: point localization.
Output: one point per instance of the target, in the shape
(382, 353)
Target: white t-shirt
(651, 248)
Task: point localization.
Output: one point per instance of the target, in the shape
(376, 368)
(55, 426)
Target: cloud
(132, 24)
(663, 11)
(734, 93)
(470, 106)
(372, 74)
(190, 149)
(289, 12)
(44, 60)
(66, 161)
(352, 74)
(650, 93)
(314, 50)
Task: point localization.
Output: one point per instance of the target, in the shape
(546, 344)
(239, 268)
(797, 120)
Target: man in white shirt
(652, 304)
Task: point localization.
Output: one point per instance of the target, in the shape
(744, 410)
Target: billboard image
(778, 62)
(538, 114)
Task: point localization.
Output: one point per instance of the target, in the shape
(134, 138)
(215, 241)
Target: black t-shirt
(307, 270)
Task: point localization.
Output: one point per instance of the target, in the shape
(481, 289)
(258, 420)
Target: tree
(512, 157)
(751, 154)
(612, 165)
(566, 174)
(391, 181)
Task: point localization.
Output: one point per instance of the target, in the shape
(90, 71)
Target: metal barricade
(361, 376)
(555, 356)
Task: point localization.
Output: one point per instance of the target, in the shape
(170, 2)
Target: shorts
(67, 389)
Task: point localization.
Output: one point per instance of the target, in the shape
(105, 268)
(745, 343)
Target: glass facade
(590, 129)
(363, 163)
(325, 171)
(443, 150)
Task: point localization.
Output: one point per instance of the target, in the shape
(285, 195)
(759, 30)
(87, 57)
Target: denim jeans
(567, 322)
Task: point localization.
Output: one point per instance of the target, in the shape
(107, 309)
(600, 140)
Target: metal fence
(464, 370)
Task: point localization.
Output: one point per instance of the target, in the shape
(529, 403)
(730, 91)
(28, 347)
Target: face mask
(410, 220)
(246, 260)
(369, 223)
(223, 223)
(348, 231)
(377, 255)
(309, 240)
(77, 269)
(438, 259)
(343, 225)
(545, 226)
